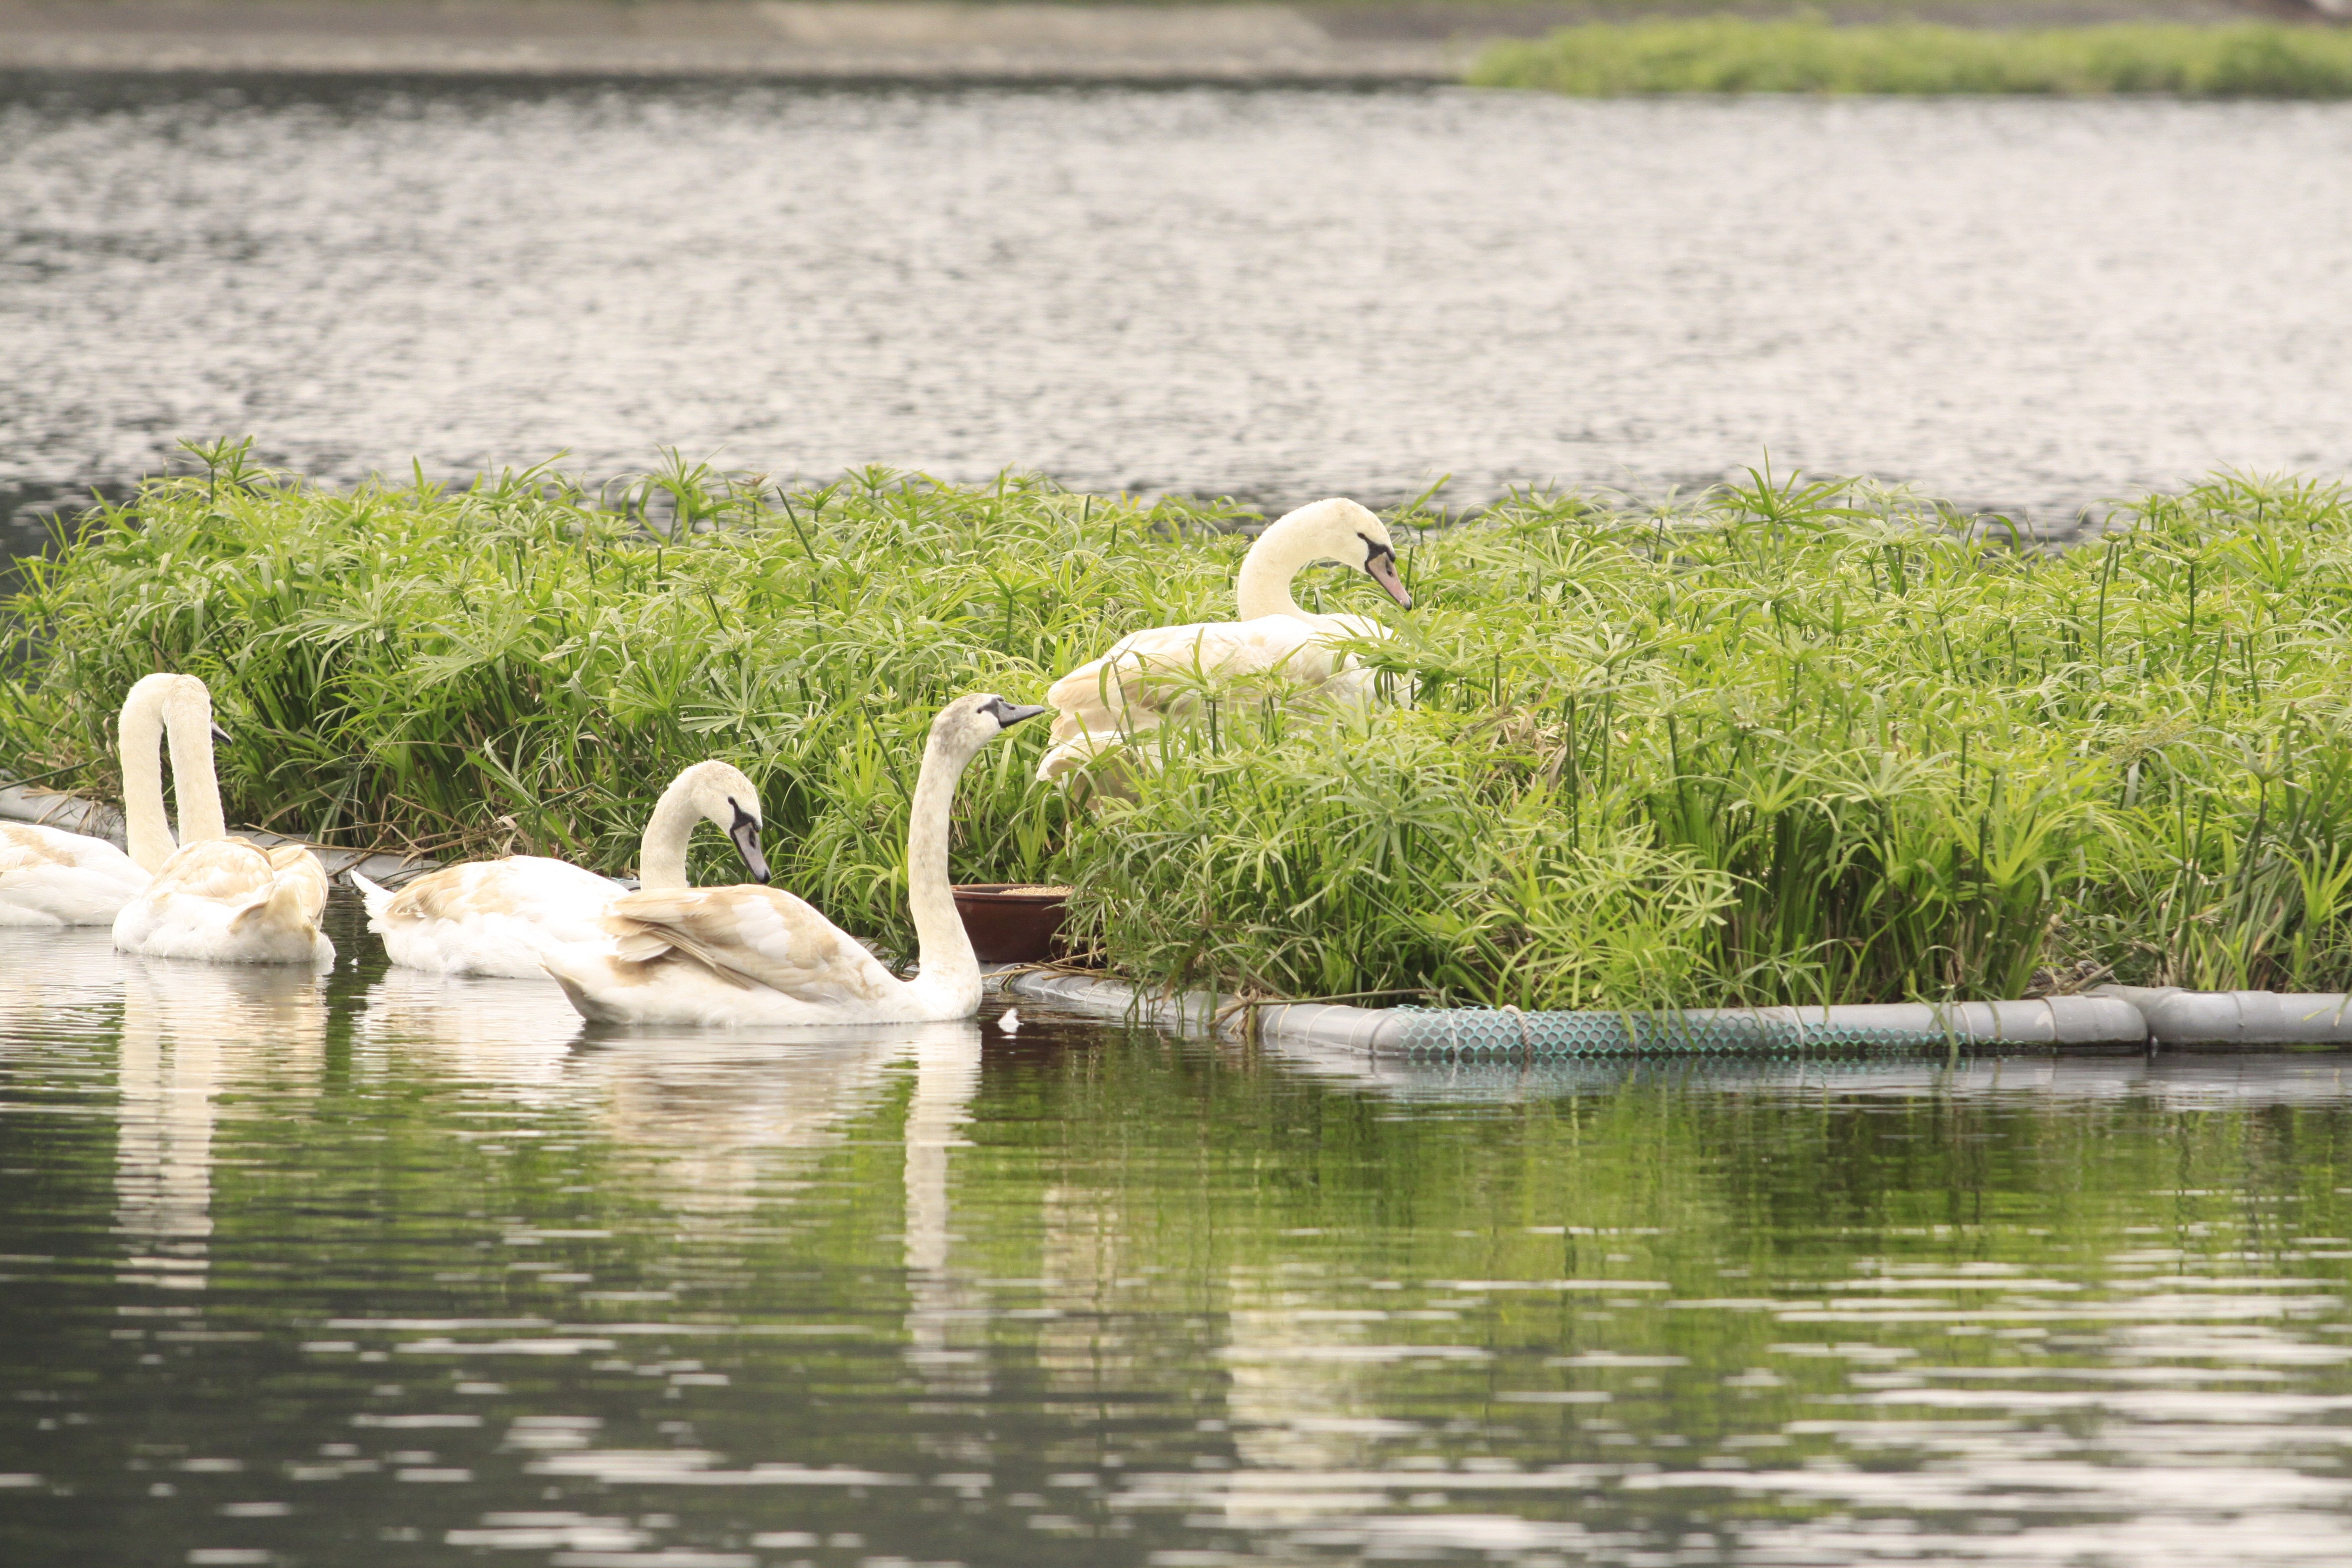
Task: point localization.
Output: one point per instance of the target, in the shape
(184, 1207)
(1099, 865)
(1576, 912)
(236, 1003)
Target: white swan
(52, 877)
(495, 917)
(214, 897)
(727, 957)
(1150, 676)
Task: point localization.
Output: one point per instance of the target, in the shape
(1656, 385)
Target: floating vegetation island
(1796, 741)
(1730, 54)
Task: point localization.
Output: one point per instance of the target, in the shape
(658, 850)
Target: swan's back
(490, 917)
(1157, 673)
(1152, 675)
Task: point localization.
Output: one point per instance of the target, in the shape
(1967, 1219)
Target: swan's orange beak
(1379, 566)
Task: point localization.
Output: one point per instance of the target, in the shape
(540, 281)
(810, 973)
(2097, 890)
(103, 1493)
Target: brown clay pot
(1010, 927)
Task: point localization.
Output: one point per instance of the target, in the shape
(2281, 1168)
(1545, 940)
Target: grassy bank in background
(1796, 742)
(1728, 54)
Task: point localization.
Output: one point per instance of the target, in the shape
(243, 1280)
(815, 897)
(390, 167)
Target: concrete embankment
(788, 40)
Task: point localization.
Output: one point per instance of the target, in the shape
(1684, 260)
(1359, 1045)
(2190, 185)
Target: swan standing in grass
(214, 897)
(495, 917)
(52, 877)
(1150, 676)
(725, 957)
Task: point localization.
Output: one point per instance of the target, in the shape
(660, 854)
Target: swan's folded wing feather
(1156, 673)
(549, 893)
(760, 935)
(296, 865)
(227, 870)
(23, 847)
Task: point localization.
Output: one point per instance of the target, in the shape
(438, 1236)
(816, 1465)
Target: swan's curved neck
(661, 854)
(146, 720)
(1263, 588)
(949, 968)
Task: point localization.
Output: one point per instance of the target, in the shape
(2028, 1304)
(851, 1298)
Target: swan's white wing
(563, 901)
(1150, 677)
(1157, 673)
(50, 877)
(492, 917)
(762, 936)
(299, 869)
(219, 870)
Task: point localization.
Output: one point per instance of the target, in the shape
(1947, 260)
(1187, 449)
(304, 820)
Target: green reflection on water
(406, 1271)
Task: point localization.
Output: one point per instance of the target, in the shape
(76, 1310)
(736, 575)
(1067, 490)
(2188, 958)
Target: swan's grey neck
(949, 968)
(147, 716)
(661, 854)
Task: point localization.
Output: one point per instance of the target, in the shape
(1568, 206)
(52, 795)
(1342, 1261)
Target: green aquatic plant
(1731, 54)
(1796, 741)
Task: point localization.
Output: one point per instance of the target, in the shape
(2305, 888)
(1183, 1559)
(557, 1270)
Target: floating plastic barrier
(2074, 1024)
(2193, 1020)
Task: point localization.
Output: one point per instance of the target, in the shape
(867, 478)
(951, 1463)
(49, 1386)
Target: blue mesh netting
(1483, 1034)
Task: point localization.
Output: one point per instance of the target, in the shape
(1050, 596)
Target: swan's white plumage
(229, 901)
(741, 956)
(51, 878)
(1150, 677)
(502, 917)
(1275, 649)
(734, 956)
(214, 897)
(490, 917)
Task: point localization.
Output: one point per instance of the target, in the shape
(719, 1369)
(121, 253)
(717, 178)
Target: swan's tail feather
(282, 905)
(377, 897)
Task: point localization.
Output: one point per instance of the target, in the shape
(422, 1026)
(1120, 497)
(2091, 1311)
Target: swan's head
(1339, 529)
(721, 794)
(968, 723)
(181, 701)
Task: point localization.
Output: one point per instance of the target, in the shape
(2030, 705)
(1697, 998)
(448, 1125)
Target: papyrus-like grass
(1795, 741)
(1729, 54)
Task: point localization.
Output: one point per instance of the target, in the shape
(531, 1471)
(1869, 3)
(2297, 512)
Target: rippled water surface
(399, 1270)
(1275, 294)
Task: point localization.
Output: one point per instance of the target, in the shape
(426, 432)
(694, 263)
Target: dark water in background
(1274, 294)
(405, 1272)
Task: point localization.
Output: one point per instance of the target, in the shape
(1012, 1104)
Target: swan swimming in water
(52, 877)
(496, 916)
(214, 897)
(728, 957)
(1147, 676)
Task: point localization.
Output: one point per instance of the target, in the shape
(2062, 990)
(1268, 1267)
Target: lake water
(1277, 295)
(397, 1270)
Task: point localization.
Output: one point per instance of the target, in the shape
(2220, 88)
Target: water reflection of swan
(717, 1112)
(513, 1036)
(947, 1077)
(57, 981)
(184, 1028)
